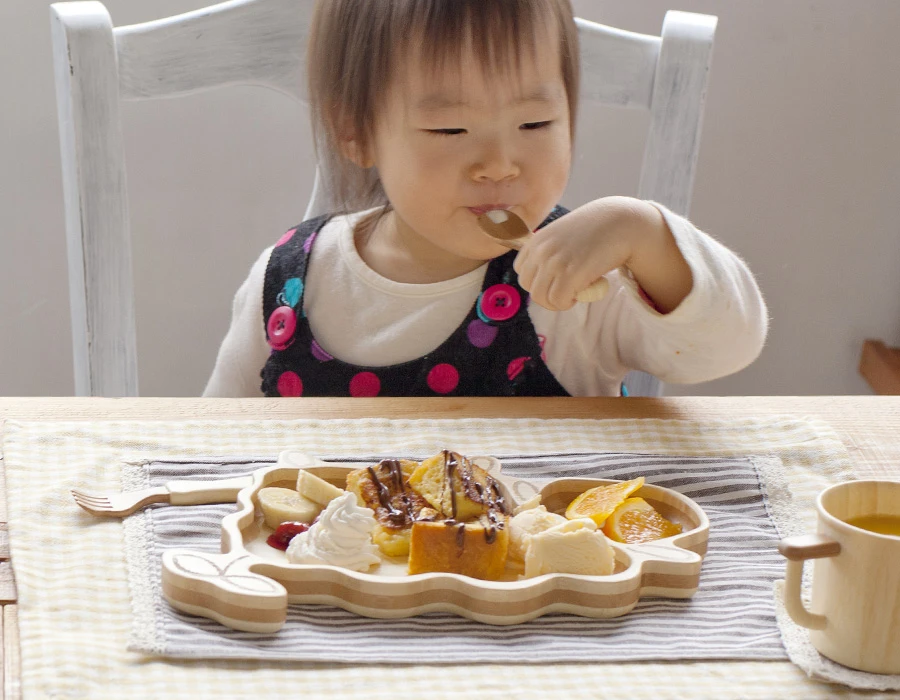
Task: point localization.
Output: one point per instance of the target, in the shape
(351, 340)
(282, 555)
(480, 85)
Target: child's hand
(569, 254)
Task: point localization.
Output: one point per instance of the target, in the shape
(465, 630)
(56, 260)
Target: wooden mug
(854, 613)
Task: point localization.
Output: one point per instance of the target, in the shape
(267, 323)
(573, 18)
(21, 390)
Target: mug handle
(797, 550)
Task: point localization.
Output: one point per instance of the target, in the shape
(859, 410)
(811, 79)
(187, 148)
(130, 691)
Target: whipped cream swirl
(342, 536)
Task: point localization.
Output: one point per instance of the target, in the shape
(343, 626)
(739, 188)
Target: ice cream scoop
(508, 229)
(574, 547)
(527, 523)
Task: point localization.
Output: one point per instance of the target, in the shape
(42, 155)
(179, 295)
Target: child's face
(448, 148)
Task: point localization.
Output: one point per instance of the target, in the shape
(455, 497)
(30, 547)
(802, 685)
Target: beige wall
(799, 172)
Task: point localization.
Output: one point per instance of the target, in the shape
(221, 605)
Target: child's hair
(357, 46)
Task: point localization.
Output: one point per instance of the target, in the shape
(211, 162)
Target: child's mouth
(482, 208)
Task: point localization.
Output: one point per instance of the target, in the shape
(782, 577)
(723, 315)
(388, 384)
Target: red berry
(284, 533)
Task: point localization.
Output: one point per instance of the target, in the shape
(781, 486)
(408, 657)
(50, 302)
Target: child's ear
(353, 151)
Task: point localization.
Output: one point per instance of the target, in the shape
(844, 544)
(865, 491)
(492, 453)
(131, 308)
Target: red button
(500, 302)
(281, 326)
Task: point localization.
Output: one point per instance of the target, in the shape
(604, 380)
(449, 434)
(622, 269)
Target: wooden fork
(176, 493)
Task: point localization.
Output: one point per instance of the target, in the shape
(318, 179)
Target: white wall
(799, 172)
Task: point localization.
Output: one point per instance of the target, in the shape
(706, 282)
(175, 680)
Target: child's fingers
(525, 269)
(552, 291)
(527, 281)
(543, 281)
(561, 293)
(557, 289)
(537, 291)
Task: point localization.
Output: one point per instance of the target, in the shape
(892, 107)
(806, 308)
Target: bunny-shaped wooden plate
(249, 585)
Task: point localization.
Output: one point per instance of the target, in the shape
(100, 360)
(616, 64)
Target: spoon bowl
(506, 227)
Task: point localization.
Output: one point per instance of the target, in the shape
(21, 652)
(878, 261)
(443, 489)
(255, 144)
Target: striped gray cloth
(731, 616)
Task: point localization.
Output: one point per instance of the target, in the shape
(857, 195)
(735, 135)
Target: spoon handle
(594, 292)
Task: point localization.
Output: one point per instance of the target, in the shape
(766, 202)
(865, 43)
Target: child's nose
(495, 162)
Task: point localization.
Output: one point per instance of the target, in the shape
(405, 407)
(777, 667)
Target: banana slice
(316, 489)
(282, 505)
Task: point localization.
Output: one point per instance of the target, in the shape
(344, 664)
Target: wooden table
(869, 427)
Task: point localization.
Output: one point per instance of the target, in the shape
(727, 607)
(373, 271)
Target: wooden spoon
(508, 229)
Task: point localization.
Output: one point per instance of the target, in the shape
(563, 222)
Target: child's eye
(446, 132)
(533, 126)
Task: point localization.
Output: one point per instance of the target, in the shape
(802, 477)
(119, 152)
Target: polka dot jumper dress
(494, 352)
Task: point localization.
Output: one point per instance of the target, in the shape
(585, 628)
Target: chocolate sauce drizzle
(490, 496)
(395, 473)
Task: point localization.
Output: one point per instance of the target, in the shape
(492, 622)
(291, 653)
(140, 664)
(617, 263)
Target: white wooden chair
(262, 42)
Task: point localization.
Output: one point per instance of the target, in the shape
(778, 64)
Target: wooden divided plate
(249, 585)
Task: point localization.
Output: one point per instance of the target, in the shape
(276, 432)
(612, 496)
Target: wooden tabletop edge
(675, 407)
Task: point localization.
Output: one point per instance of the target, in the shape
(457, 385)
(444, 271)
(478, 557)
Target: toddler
(431, 113)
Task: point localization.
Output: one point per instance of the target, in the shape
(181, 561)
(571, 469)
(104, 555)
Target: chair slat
(241, 42)
(617, 67)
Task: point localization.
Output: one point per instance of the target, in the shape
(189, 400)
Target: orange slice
(599, 502)
(636, 521)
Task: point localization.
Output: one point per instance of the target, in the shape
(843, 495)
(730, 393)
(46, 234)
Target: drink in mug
(854, 614)
(882, 524)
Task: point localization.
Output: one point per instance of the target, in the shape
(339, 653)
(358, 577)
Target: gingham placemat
(732, 616)
(74, 606)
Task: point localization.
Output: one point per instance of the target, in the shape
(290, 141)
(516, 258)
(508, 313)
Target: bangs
(359, 50)
(499, 34)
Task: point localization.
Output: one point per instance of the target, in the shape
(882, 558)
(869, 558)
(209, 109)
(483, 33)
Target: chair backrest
(262, 42)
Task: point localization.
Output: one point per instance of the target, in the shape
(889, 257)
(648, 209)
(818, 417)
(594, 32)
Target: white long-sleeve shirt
(362, 318)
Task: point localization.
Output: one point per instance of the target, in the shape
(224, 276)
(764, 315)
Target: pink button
(500, 302)
(281, 326)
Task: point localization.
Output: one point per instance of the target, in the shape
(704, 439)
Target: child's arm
(244, 350)
(718, 328)
(568, 254)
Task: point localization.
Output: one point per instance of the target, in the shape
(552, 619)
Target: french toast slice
(384, 488)
(456, 487)
(477, 548)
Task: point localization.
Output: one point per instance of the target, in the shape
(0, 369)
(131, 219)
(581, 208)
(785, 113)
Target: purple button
(281, 326)
(500, 302)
